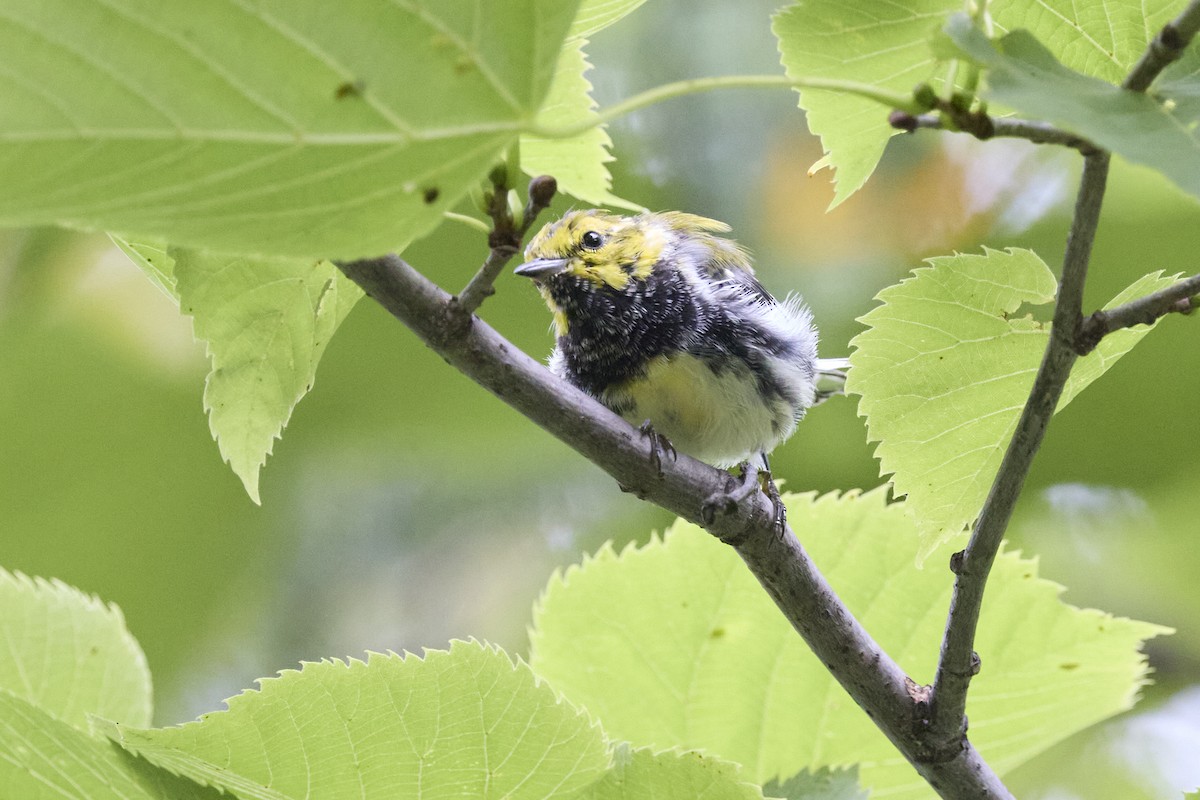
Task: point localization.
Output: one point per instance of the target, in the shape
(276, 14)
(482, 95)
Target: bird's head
(606, 250)
(596, 255)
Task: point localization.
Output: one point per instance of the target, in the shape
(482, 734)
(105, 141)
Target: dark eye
(592, 240)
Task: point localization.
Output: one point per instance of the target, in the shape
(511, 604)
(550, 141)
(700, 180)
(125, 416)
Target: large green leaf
(595, 15)
(821, 784)
(69, 654)
(875, 41)
(463, 723)
(44, 758)
(578, 162)
(1157, 131)
(1103, 40)
(946, 365)
(280, 127)
(266, 323)
(676, 643)
(671, 775)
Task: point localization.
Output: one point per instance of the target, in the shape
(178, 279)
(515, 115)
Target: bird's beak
(541, 268)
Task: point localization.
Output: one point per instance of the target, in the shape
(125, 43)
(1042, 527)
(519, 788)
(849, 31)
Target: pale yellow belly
(718, 418)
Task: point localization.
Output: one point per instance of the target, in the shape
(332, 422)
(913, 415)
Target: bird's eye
(592, 240)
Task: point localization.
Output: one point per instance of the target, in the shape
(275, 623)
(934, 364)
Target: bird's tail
(831, 378)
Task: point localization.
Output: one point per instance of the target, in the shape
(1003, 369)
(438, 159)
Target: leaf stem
(895, 100)
(470, 222)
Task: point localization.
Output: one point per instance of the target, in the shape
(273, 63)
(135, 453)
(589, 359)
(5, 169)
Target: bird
(661, 319)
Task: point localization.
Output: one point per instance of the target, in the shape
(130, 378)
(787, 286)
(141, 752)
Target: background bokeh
(405, 506)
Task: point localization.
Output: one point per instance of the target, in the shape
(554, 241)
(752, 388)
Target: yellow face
(605, 249)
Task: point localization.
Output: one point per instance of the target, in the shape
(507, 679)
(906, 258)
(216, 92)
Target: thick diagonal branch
(681, 485)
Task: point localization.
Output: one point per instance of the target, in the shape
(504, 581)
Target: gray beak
(541, 268)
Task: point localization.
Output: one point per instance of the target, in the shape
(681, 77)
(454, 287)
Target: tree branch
(681, 485)
(1178, 298)
(959, 662)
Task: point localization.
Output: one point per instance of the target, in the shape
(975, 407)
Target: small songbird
(663, 321)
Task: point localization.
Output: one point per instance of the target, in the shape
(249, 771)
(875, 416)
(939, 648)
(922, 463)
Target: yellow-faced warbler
(663, 321)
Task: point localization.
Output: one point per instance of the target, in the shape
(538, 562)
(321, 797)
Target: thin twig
(1011, 128)
(1179, 298)
(504, 239)
(681, 485)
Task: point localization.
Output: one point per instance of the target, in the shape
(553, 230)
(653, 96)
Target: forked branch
(1069, 336)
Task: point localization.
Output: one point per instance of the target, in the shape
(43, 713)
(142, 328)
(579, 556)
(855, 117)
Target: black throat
(612, 335)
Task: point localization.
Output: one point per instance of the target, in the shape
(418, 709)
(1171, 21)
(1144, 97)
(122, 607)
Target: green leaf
(671, 775)
(879, 42)
(595, 15)
(463, 723)
(285, 127)
(577, 163)
(1158, 132)
(154, 262)
(69, 654)
(676, 644)
(1103, 40)
(266, 322)
(944, 368)
(44, 758)
(822, 784)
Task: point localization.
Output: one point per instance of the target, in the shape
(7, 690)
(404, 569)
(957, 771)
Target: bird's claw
(728, 501)
(751, 480)
(659, 444)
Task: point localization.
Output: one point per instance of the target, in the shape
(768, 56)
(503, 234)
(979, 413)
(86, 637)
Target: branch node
(903, 121)
(957, 560)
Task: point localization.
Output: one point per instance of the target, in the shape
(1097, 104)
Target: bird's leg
(772, 492)
(659, 445)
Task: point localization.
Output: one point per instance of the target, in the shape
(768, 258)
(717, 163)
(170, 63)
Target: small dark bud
(499, 175)
(925, 96)
(542, 190)
(976, 663)
(956, 561)
(903, 121)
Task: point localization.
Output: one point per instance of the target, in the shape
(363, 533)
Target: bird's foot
(751, 479)
(659, 445)
(728, 501)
